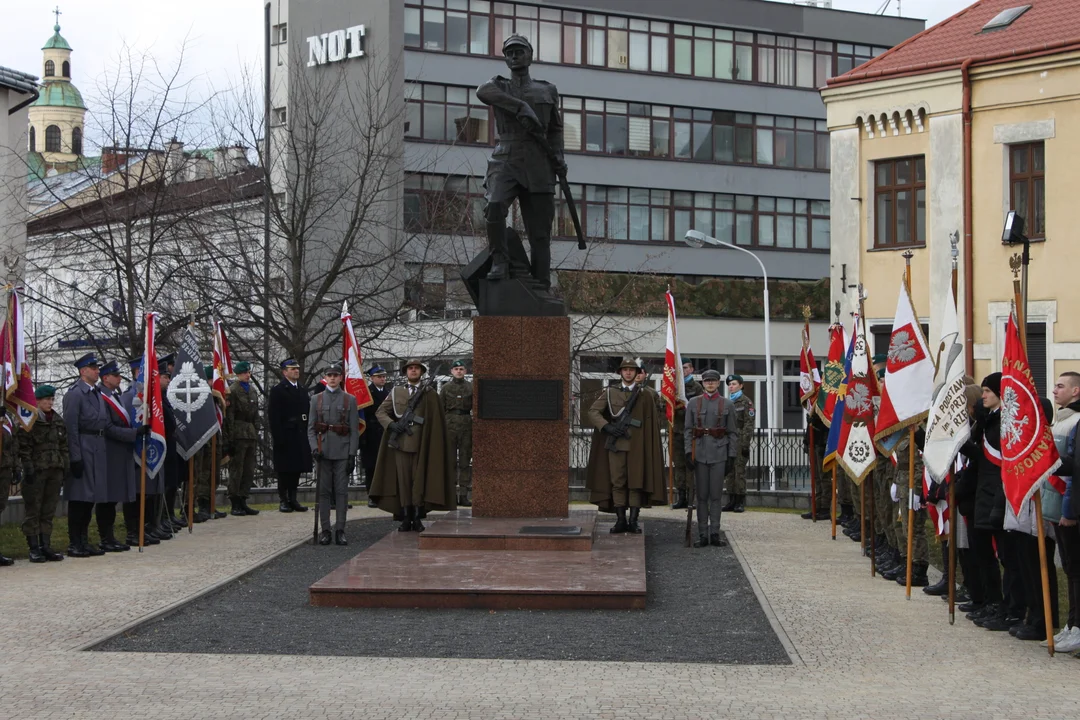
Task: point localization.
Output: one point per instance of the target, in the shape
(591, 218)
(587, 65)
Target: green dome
(60, 93)
(56, 42)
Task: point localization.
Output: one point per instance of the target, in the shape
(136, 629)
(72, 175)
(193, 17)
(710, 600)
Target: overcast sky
(220, 35)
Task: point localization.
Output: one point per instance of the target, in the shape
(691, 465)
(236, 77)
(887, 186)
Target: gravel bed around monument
(700, 608)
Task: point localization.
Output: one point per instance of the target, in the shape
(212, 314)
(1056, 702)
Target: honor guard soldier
(242, 423)
(9, 462)
(119, 444)
(373, 429)
(44, 455)
(693, 389)
(333, 436)
(413, 474)
(744, 420)
(712, 435)
(287, 413)
(86, 418)
(457, 400)
(626, 466)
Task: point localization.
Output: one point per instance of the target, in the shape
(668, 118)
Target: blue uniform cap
(376, 370)
(163, 367)
(110, 368)
(136, 362)
(290, 363)
(87, 360)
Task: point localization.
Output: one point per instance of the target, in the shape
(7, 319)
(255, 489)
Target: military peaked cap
(516, 39)
(110, 368)
(710, 375)
(376, 370)
(290, 363)
(87, 360)
(334, 369)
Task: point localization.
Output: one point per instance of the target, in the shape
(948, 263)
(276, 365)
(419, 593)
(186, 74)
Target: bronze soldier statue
(526, 162)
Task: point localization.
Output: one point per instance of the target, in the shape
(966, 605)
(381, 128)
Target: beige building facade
(898, 184)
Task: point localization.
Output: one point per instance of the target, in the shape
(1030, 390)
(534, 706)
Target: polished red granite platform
(396, 573)
(460, 530)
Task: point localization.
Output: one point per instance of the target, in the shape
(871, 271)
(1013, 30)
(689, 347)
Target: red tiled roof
(1047, 25)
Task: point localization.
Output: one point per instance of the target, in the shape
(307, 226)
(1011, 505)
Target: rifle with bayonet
(403, 425)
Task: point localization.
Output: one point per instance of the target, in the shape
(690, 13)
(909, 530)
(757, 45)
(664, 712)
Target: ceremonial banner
(809, 377)
(909, 377)
(223, 372)
(18, 385)
(855, 448)
(947, 428)
(832, 378)
(836, 420)
(1028, 452)
(150, 411)
(354, 382)
(191, 399)
(673, 384)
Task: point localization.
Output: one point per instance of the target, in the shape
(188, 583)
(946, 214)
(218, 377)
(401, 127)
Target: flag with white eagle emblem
(909, 377)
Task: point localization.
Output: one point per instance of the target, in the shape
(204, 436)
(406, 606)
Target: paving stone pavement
(859, 648)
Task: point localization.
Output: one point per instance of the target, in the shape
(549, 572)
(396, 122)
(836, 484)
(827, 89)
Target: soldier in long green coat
(744, 420)
(457, 400)
(44, 454)
(242, 423)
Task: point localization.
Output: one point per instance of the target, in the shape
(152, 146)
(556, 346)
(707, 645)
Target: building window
(437, 291)
(446, 114)
(280, 34)
(33, 139)
(76, 141)
(900, 202)
(279, 116)
(66, 68)
(50, 68)
(444, 204)
(615, 42)
(52, 138)
(1027, 186)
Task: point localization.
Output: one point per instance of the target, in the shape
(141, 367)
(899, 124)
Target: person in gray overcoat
(120, 435)
(86, 418)
(710, 432)
(334, 435)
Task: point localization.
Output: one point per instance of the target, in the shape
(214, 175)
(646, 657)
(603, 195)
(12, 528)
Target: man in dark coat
(373, 429)
(416, 475)
(86, 419)
(632, 475)
(173, 468)
(120, 437)
(287, 413)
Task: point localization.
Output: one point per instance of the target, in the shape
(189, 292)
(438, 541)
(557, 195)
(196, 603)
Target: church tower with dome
(57, 117)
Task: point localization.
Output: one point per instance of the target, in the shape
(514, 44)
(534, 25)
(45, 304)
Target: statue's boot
(541, 264)
(500, 261)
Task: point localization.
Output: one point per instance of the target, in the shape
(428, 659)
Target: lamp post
(696, 238)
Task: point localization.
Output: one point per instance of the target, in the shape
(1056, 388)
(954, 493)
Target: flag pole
(810, 415)
(190, 494)
(1019, 266)
(873, 535)
(834, 502)
(213, 474)
(142, 488)
(813, 466)
(911, 459)
(671, 458)
(954, 515)
(862, 485)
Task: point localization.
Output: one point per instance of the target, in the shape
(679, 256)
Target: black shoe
(730, 505)
(51, 555)
(1030, 632)
(200, 517)
(77, 550)
(632, 525)
(740, 501)
(160, 532)
(324, 537)
(807, 515)
(93, 549)
(237, 510)
(970, 607)
(219, 514)
(941, 587)
(716, 541)
(111, 545)
(960, 597)
(297, 507)
(339, 538)
(892, 574)
(133, 540)
(680, 500)
(998, 623)
(406, 519)
(856, 536)
(177, 524)
(284, 507)
(371, 503)
(702, 541)
(246, 508)
(620, 525)
(417, 526)
(36, 556)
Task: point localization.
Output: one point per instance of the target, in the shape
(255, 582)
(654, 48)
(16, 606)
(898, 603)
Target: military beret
(110, 368)
(516, 39)
(710, 375)
(208, 371)
(44, 391)
(458, 363)
(87, 360)
(290, 363)
(242, 367)
(880, 358)
(736, 378)
(334, 369)
(376, 370)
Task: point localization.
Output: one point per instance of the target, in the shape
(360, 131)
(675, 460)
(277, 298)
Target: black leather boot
(283, 504)
(680, 500)
(716, 541)
(740, 503)
(620, 525)
(93, 549)
(418, 513)
(702, 541)
(236, 509)
(36, 556)
(500, 261)
(294, 503)
(730, 504)
(248, 510)
(5, 561)
(632, 526)
(202, 514)
(50, 554)
(406, 519)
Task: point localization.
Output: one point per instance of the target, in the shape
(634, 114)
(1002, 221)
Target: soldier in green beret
(242, 422)
(44, 453)
(457, 400)
(744, 421)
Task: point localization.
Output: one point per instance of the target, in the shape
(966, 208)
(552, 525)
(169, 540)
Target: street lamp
(696, 238)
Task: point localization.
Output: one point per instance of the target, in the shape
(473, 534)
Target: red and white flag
(223, 368)
(354, 382)
(809, 376)
(18, 385)
(150, 410)
(909, 377)
(855, 451)
(1028, 452)
(673, 384)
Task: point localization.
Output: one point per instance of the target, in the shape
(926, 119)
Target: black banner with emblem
(191, 399)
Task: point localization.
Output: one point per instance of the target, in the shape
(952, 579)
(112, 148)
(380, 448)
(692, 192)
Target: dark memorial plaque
(520, 399)
(550, 530)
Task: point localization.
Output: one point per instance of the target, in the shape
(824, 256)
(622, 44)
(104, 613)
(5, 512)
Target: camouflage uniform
(744, 420)
(44, 449)
(920, 548)
(457, 400)
(693, 389)
(242, 427)
(7, 467)
(884, 477)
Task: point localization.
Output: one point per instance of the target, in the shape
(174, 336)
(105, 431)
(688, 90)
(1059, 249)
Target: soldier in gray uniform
(120, 437)
(86, 419)
(334, 435)
(526, 116)
(711, 432)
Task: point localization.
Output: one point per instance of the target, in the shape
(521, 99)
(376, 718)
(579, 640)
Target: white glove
(895, 493)
(914, 501)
